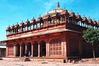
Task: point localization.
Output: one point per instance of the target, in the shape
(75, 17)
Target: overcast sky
(16, 11)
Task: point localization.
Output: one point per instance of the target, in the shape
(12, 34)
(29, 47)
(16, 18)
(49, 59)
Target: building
(2, 49)
(56, 35)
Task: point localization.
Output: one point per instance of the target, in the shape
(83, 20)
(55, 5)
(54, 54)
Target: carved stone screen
(55, 47)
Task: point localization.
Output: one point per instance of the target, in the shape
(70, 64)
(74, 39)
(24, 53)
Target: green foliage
(91, 36)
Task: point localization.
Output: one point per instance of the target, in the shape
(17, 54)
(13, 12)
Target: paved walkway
(31, 63)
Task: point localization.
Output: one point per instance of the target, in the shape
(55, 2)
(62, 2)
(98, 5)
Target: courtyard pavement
(32, 63)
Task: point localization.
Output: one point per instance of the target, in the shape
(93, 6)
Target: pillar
(20, 50)
(47, 49)
(31, 50)
(25, 49)
(62, 49)
(14, 50)
(6, 51)
(0, 52)
(38, 50)
(80, 47)
(65, 50)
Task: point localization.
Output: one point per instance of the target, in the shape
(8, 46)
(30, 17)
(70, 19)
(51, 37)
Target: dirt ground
(11, 62)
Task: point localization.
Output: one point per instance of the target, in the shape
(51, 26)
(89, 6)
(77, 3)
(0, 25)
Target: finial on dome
(58, 5)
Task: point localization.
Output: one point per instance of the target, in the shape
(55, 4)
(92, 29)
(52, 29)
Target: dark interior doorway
(17, 50)
(73, 48)
(23, 50)
(28, 51)
(42, 48)
(35, 49)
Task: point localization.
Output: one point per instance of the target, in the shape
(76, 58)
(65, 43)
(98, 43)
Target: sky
(16, 11)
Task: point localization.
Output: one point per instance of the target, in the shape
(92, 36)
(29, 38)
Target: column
(62, 48)
(38, 50)
(6, 51)
(47, 49)
(25, 49)
(80, 48)
(65, 49)
(14, 50)
(31, 50)
(0, 53)
(20, 50)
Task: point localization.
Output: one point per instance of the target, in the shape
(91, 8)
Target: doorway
(42, 48)
(35, 49)
(28, 51)
(17, 50)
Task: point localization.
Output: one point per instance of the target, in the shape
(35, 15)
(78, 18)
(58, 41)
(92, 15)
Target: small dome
(13, 26)
(95, 23)
(78, 17)
(27, 21)
(22, 24)
(17, 25)
(71, 14)
(84, 19)
(8, 28)
(90, 20)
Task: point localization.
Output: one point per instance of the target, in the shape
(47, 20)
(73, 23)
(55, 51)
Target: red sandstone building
(56, 35)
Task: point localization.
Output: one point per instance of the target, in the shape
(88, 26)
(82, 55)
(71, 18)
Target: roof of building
(53, 13)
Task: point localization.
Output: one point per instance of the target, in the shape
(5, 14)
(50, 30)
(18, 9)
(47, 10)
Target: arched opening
(17, 50)
(42, 48)
(35, 49)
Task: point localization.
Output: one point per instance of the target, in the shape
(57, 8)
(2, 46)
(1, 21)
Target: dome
(53, 12)
(58, 10)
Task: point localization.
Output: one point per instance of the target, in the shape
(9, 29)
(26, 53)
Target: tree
(92, 37)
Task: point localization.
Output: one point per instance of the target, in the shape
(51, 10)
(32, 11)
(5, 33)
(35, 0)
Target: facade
(56, 35)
